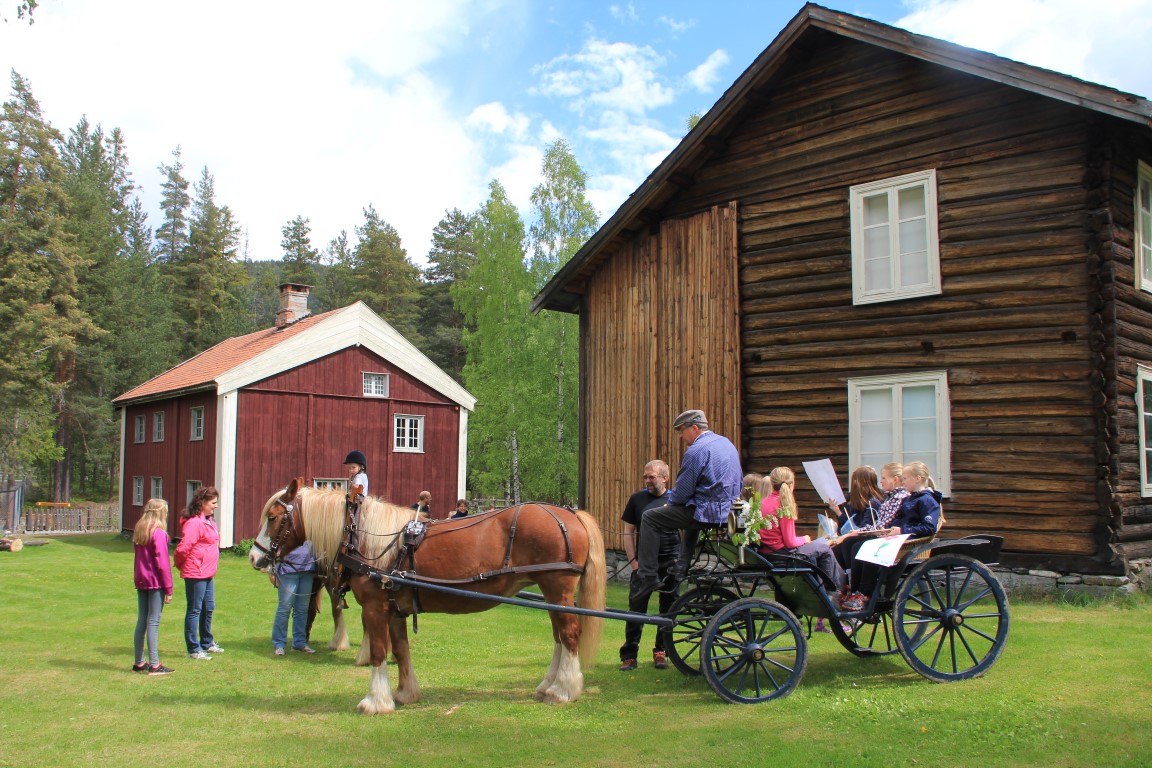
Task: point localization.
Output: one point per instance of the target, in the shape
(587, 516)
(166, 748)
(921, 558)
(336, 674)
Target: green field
(1073, 688)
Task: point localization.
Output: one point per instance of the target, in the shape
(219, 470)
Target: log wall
(660, 335)
(1012, 328)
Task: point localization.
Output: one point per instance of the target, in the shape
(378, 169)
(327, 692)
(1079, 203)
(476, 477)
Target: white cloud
(494, 117)
(624, 12)
(677, 27)
(616, 76)
(1104, 42)
(705, 76)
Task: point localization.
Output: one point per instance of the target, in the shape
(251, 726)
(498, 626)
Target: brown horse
(496, 553)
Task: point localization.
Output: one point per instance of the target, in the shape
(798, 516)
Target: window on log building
(1144, 409)
(375, 384)
(157, 487)
(1143, 250)
(139, 435)
(895, 246)
(137, 491)
(158, 428)
(196, 432)
(902, 418)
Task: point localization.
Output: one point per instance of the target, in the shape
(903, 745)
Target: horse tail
(592, 590)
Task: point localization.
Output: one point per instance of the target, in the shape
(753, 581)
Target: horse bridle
(287, 523)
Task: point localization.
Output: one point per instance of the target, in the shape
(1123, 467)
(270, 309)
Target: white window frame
(138, 490)
(158, 427)
(942, 473)
(401, 426)
(331, 483)
(861, 294)
(1142, 227)
(140, 428)
(157, 487)
(375, 384)
(1144, 379)
(196, 429)
(190, 488)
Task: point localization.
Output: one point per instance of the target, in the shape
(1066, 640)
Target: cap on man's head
(689, 418)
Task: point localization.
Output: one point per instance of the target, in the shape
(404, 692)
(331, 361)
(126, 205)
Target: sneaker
(277, 651)
(659, 659)
(627, 665)
(822, 627)
(213, 649)
(160, 669)
(199, 655)
(854, 602)
(305, 649)
(141, 667)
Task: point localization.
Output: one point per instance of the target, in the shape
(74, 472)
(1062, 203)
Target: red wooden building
(255, 410)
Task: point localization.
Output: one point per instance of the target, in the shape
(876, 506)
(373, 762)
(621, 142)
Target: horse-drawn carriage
(737, 618)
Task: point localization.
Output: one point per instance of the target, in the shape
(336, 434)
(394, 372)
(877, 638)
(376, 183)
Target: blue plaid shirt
(710, 478)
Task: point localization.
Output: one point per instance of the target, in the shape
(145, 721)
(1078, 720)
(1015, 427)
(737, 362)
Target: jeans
(295, 592)
(201, 596)
(150, 603)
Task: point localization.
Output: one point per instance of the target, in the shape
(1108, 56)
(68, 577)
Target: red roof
(200, 372)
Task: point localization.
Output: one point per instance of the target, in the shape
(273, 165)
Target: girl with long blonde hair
(780, 507)
(152, 574)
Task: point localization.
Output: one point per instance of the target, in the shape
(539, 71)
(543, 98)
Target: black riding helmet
(356, 457)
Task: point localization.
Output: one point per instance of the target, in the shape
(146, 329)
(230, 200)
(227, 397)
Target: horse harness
(350, 560)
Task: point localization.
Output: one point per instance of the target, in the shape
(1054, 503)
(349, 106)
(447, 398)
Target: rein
(288, 522)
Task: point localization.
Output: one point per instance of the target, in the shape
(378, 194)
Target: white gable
(356, 325)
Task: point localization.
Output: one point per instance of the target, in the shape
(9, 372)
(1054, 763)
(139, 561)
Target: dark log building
(879, 245)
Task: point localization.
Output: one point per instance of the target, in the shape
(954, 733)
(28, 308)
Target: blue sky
(322, 109)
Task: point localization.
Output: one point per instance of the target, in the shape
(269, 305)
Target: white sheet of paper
(823, 478)
(882, 551)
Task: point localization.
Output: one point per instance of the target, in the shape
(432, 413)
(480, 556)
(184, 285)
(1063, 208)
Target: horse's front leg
(407, 687)
(374, 612)
(564, 681)
(339, 625)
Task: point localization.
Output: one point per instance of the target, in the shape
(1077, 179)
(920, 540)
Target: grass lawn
(1073, 688)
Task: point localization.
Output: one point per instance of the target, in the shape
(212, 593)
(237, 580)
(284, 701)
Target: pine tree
(300, 258)
(494, 298)
(209, 281)
(336, 283)
(41, 320)
(452, 255)
(172, 234)
(385, 279)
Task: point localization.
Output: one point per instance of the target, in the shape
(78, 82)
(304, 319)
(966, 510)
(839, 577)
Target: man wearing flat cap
(709, 479)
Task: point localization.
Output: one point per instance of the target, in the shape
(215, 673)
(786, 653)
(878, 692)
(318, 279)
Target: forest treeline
(95, 299)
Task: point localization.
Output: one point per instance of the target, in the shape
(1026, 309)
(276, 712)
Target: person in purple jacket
(153, 577)
(197, 556)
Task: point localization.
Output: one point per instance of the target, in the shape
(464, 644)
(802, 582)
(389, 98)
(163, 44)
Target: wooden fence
(58, 518)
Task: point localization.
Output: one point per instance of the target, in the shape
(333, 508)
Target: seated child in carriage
(918, 516)
(779, 507)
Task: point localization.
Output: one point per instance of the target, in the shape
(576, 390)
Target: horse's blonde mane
(323, 511)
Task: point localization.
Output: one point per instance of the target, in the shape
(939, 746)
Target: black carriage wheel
(754, 650)
(692, 611)
(873, 635)
(951, 618)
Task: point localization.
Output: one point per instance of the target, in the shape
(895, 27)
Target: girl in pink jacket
(197, 556)
(153, 577)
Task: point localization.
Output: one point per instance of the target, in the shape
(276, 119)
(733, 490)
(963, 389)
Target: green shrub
(242, 547)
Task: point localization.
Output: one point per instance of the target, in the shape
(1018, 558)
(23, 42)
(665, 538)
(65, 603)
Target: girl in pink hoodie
(153, 577)
(197, 556)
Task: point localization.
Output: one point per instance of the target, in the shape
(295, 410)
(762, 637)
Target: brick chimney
(293, 303)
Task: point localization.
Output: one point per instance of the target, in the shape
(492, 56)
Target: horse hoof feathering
(559, 550)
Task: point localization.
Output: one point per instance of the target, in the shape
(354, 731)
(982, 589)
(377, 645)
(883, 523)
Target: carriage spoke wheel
(754, 650)
(951, 618)
(692, 612)
(874, 635)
